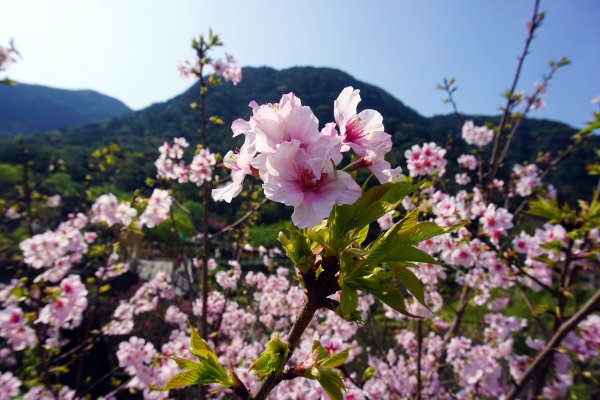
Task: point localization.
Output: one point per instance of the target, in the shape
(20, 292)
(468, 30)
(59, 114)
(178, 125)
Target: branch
(510, 100)
(239, 221)
(560, 334)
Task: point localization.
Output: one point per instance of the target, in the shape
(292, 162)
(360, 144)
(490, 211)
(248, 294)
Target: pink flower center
(354, 130)
(307, 179)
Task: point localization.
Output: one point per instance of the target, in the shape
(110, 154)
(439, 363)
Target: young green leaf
(183, 379)
(409, 280)
(272, 359)
(348, 300)
(336, 360)
(331, 383)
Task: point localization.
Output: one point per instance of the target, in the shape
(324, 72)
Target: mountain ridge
(140, 133)
(32, 108)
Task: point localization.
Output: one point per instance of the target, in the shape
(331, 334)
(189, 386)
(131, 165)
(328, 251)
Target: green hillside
(140, 133)
(26, 109)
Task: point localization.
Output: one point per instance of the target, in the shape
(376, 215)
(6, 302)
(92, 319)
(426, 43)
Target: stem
(205, 200)
(560, 334)
(311, 305)
(419, 350)
(239, 221)
(510, 100)
(464, 302)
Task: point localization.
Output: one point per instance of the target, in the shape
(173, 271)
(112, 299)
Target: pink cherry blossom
(479, 136)
(157, 209)
(362, 131)
(9, 385)
(427, 159)
(307, 181)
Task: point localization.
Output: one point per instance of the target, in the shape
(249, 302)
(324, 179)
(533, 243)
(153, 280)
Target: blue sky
(130, 49)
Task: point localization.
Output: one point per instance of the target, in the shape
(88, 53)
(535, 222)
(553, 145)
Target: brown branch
(311, 305)
(534, 24)
(419, 351)
(560, 334)
(239, 221)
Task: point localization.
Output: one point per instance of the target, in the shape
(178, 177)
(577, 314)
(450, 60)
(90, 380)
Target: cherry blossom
(479, 136)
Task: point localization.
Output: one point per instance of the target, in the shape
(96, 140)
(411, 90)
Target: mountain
(140, 133)
(26, 109)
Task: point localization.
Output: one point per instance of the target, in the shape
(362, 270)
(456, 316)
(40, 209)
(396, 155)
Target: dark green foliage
(33, 108)
(140, 133)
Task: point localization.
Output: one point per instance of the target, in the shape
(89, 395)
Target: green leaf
(337, 359)
(331, 383)
(401, 237)
(394, 298)
(368, 374)
(272, 359)
(545, 208)
(373, 204)
(410, 281)
(184, 363)
(183, 379)
(319, 350)
(297, 248)
(199, 347)
(348, 300)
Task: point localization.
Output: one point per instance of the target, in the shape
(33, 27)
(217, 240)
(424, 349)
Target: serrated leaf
(183, 379)
(348, 300)
(392, 245)
(331, 383)
(183, 363)
(410, 281)
(544, 208)
(199, 347)
(337, 359)
(373, 204)
(319, 351)
(272, 359)
(394, 298)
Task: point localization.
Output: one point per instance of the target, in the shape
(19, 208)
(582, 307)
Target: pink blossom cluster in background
(426, 160)
(157, 210)
(170, 163)
(228, 69)
(8, 56)
(527, 179)
(479, 136)
(107, 209)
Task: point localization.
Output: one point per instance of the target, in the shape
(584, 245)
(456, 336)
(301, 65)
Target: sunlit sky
(129, 49)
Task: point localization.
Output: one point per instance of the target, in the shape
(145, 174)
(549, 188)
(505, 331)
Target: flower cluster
(527, 179)
(159, 205)
(145, 299)
(107, 209)
(66, 310)
(14, 329)
(479, 136)
(59, 248)
(170, 163)
(8, 56)
(425, 160)
(297, 162)
(227, 69)
(9, 385)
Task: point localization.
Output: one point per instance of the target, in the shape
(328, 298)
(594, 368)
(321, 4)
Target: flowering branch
(535, 23)
(561, 333)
